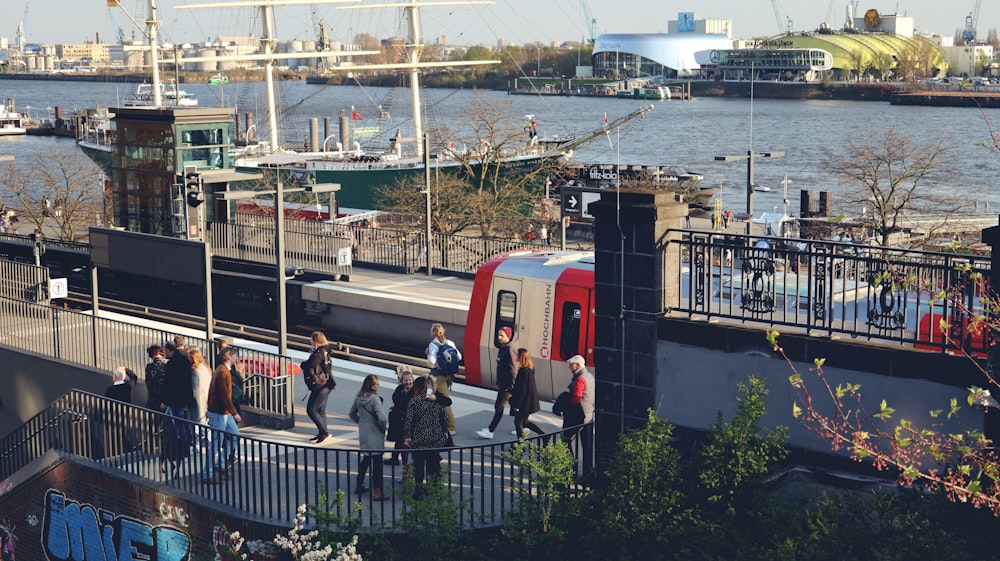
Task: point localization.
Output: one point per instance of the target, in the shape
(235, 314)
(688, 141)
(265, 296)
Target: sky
(516, 21)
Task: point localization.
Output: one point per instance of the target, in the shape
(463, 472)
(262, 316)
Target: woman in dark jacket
(156, 370)
(425, 430)
(397, 415)
(524, 395)
(316, 406)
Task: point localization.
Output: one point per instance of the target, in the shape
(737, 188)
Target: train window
(569, 337)
(506, 310)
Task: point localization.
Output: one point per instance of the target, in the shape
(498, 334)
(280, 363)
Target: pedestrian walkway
(473, 409)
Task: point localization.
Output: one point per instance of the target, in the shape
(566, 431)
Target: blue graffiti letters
(75, 532)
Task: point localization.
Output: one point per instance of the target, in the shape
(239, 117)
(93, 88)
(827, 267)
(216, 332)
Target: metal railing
(104, 344)
(252, 239)
(827, 288)
(23, 281)
(267, 480)
(317, 246)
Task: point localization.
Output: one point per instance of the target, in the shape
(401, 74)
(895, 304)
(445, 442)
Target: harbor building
(871, 47)
(671, 55)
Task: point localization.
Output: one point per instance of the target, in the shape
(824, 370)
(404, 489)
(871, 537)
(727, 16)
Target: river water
(688, 134)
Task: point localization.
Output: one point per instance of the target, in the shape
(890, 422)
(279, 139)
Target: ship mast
(413, 64)
(268, 55)
(413, 49)
(154, 55)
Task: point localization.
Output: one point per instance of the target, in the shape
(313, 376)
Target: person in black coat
(177, 392)
(123, 382)
(397, 415)
(524, 395)
(506, 372)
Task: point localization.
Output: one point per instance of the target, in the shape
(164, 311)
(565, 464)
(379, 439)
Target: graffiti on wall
(80, 532)
(8, 542)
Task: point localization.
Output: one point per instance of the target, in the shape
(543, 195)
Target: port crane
(971, 23)
(590, 21)
(784, 22)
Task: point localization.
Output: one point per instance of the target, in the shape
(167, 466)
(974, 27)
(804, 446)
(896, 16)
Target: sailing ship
(406, 159)
(359, 171)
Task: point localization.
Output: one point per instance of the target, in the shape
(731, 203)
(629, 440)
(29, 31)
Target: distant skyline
(516, 21)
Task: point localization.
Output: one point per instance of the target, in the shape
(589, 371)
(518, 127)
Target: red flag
(114, 3)
(605, 118)
(355, 116)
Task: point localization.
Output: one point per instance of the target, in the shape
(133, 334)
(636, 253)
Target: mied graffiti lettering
(79, 532)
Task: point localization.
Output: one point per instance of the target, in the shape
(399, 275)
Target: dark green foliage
(714, 504)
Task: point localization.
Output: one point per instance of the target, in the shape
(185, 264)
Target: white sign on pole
(58, 288)
(344, 256)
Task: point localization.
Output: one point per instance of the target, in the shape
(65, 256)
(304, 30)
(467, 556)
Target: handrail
(270, 479)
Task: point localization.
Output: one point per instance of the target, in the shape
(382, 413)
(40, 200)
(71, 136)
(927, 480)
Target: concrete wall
(31, 382)
(700, 365)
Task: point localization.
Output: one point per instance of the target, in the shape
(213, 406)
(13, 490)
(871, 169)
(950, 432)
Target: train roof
(541, 264)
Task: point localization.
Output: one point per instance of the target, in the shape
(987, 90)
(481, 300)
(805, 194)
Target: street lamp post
(427, 201)
(750, 185)
(281, 268)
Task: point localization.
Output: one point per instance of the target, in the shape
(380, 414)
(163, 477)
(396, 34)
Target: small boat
(170, 94)
(218, 79)
(11, 121)
(646, 92)
(761, 188)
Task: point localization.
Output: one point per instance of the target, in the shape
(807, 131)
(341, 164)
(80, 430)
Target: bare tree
(64, 177)
(451, 202)
(896, 181)
(484, 149)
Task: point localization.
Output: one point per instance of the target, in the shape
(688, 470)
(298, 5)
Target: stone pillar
(635, 273)
(991, 237)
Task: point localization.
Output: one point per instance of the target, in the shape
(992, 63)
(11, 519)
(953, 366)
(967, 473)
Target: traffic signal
(195, 193)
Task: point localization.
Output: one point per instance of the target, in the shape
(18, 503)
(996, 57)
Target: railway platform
(473, 408)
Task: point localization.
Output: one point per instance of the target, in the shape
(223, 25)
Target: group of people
(8, 219)
(517, 390)
(418, 421)
(181, 384)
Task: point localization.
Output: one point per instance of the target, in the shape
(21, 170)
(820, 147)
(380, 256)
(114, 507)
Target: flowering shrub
(295, 545)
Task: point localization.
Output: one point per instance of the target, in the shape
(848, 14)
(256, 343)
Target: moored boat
(170, 94)
(11, 121)
(646, 92)
(218, 80)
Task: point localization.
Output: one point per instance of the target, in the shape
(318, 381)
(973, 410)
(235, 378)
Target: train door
(504, 312)
(573, 333)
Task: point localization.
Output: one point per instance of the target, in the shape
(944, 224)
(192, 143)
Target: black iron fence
(318, 246)
(267, 480)
(930, 300)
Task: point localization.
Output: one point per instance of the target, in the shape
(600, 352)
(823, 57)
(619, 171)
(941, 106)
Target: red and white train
(547, 299)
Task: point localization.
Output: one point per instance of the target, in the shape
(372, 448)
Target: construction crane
(590, 22)
(784, 22)
(971, 23)
(322, 39)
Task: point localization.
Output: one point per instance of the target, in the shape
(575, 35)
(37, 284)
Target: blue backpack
(447, 359)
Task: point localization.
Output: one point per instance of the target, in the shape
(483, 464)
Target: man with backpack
(443, 356)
